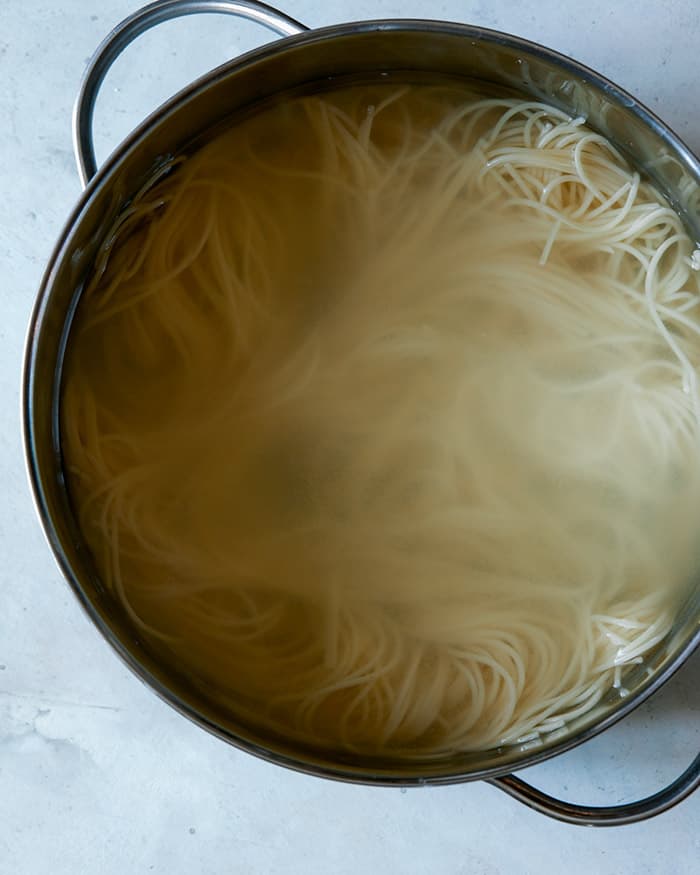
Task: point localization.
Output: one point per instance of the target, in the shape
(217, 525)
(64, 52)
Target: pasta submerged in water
(382, 422)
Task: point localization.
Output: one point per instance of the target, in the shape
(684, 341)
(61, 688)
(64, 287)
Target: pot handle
(127, 31)
(609, 815)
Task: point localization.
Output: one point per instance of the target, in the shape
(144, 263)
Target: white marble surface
(99, 776)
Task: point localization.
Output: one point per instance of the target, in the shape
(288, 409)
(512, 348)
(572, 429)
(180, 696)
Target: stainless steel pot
(366, 49)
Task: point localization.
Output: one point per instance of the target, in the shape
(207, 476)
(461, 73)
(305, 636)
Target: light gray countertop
(99, 776)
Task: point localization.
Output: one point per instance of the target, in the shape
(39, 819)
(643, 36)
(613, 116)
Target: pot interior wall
(319, 59)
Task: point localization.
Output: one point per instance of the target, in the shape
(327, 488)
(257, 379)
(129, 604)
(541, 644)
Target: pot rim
(400, 775)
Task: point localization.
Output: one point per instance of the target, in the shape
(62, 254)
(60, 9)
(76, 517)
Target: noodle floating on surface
(381, 418)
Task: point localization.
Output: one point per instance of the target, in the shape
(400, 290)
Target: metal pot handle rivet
(612, 815)
(131, 28)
